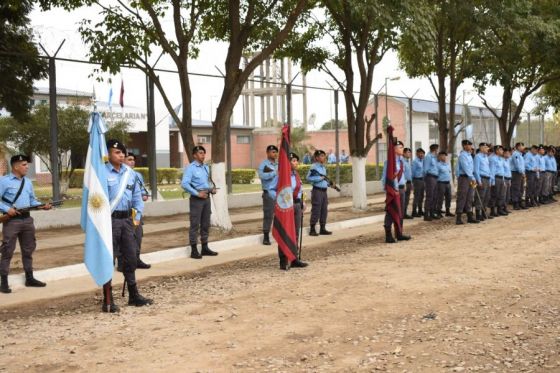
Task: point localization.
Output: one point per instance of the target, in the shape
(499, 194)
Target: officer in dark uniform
(124, 195)
(268, 170)
(16, 192)
(197, 182)
(319, 199)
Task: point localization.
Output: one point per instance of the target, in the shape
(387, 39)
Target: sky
(53, 26)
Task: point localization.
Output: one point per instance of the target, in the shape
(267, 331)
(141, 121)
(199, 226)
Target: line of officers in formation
(488, 180)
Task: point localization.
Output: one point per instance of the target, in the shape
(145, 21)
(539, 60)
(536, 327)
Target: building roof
(431, 107)
(62, 92)
(202, 123)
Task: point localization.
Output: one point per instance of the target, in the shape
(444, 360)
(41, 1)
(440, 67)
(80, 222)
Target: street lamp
(386, 95)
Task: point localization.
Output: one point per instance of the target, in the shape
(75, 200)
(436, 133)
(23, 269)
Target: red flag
(121, 98)
(392, 199)
(284, 228)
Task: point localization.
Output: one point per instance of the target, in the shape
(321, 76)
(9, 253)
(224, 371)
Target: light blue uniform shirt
(195, 178)
(542, 162)
(507, 168)
(430, 165)
(551, 164)
(517, 162)
(9, 186)
(496, 166)
(315, 177)
(268, 179)
(444, 171)
(481, 166)
(531, 163)
(132, 196)
(465, 165)
(396, 183)
(418, 168)
(407, 169)
(331, 158)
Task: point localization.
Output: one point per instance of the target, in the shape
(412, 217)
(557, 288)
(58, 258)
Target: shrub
(242, 176)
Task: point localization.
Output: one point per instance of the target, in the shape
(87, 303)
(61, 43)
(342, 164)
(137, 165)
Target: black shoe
(32, 282)
(206, 251)
(494, 212)
(427, 217)
(312, 231)
(478, 215)
(403, 237)
(194, 253)
(516, 206)
(298, 264)
(458, 220)
(408, 217)
(284, 263)
(4, 287)
(471, 219)
(449, 214)
(415, 214)
(141, 265)
(324, 232)
(266, 239)
(389, 236)
(135, 299)
(436, 215)
(502, 212)
(108, 302)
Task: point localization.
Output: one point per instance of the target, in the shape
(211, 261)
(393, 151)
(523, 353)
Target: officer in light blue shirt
(541, 174)
(20, 225)
(430, 170)
(482, 175)
(507, 176)
(444, 185)
(531, 172)
(268, 173)
(551, 172)
(331, 158)
(465, 183)
(407, 158)
(517, 163)
(319, 201)
(497, 197)
(418, 183)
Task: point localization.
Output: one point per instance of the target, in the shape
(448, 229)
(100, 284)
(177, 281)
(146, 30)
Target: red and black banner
(284, 228)
(392, 197)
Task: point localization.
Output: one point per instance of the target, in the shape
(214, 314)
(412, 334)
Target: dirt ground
(161, 240)
(454, 299)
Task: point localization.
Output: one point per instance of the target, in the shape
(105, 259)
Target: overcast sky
(53, 26)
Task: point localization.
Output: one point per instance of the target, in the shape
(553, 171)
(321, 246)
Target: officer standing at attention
(124, 195)
(551, 170)
(465, 183)
(418, 183)
(268, 169)
(507, 177)
(407, 155)
(517, 164)
(196, 181)
(319, 200)
(430, 183)
(444, 185)
(139, 229)
(481, 172)
(497, 199)
(531, 169)
(16, 192)
(541, 175)
(400, 183)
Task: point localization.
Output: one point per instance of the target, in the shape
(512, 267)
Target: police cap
(198, 148)
(293, 155)
(272, 148)
(116, 144)
(319, 152)
(466, 142)
(19, 158)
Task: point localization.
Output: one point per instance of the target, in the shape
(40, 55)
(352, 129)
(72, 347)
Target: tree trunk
(359, 189)
(220, 213)
(451, 137)
(185, 126)
(442, 112)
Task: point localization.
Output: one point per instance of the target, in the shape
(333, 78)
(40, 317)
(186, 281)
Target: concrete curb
(80, 270)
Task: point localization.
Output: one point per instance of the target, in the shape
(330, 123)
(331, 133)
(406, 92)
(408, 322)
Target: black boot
(135, 299)
(312, 231)
(479, 215)
(436, 215)
(298, 264)
(415, 213)
(494, 212)
(458, 219)
(401, 237)
(108, 302)
(141, 265)
(206, 251)
(471, 219)
(324, 231)
(448, 213)
(420, 212)
(427, 217)
(516, 206)
(502, 211)
(389, 236)
(524, 206)
(266, 239)
(30, 281)
(488, 216)
(406, 216)
(4, 287)
(194, 252)
(284, 265)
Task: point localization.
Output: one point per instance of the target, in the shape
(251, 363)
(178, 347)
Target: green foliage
(345, 172)
(243, 176)
(20, 64)
(331, 124)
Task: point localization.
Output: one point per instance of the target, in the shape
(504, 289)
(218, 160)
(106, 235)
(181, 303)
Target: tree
(20, 64)
(298, 137)
(438, 39)
(331, 125)
(253, 30)
(32, 136)
(359, 33)
(519, 51)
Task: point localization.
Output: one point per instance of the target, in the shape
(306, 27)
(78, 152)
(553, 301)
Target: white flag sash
(122, 186)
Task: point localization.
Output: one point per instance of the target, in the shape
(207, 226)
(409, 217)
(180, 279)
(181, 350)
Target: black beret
(19, 158)
(442, 153)
(271, 147)
(434, 147)
(407, 150)
(466, 142)
(420, 150)
(319, 152)
(496, 147)
(294, 155)
(482, 144)
(131, 155)
(519, 144)
(541, 146)
(534, 147)
(198, 148)
(116, 144)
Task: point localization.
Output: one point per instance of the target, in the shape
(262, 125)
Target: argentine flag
(96, 212)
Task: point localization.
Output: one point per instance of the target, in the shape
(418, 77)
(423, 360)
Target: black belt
(418, 178)
(443, 182)
(297, 200)
(507, 178)
(401, 186)
(409, 182)
(121, 214)
(516, 172)
(432, 175)
(485, 177)
(530, 172)
(463, 175)
(500, 176)
(265, 191)
(321, 189)
(552, 172)
(22, 215)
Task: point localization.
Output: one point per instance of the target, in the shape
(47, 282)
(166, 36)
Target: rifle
(331, 184)
(300, 246)
(267, 169)
(5, 217)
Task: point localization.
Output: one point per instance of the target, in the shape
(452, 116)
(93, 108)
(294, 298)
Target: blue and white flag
(96, 211)
(110, 101)
(514, 135)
